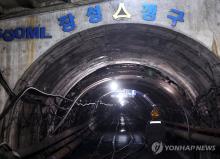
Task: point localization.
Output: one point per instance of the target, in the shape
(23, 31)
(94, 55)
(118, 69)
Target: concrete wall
(202, 21)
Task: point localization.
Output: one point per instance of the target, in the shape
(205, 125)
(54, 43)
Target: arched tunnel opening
(122, 97)
(92, 94)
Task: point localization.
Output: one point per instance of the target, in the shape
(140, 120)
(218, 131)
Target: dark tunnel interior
(142, 87)
(123, 100)
(91, 96)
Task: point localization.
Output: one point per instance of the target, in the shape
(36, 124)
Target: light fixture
(121, 99)
(122, 130)
(155, 122)
(122, 102)
(114, 86)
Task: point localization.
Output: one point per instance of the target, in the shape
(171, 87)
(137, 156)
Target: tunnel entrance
(101, 86)
(122, 96)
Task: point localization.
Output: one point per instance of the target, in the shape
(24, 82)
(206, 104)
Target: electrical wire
(23, 93)
(18, 97)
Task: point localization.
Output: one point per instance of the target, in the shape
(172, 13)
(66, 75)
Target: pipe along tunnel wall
(180, 75)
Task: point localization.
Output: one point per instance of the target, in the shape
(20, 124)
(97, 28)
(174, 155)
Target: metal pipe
(55, 140)
(66, 150)
(195, 136)
(209, 131)
(61, 144)
(69, 147)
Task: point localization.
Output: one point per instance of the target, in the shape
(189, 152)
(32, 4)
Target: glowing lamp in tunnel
(122, 130)
(155, 113)
(122, 121)
(155, 122)
(114, 86)
(121, 101)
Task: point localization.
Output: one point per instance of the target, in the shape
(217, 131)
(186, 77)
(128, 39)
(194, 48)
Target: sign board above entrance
(24, 33)
(149, 13)
(94, 14)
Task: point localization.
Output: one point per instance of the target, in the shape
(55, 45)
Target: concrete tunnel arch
(177, 57)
